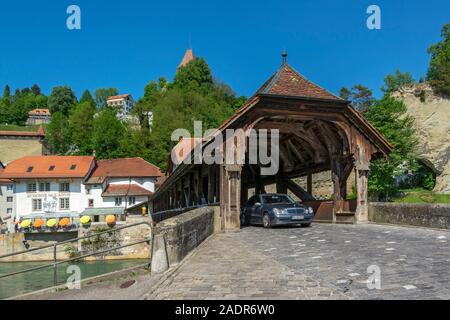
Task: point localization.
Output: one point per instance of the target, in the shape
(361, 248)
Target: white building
(71, 186)
(6, 202)
(123, 103)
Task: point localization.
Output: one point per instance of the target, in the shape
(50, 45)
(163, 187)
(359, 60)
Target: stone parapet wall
(186, 231)
(420, 215)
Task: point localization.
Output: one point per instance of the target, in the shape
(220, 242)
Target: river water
(40, 279)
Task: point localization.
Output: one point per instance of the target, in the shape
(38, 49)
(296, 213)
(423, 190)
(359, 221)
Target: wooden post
(362, 208)
(309, 184)
(232, 196)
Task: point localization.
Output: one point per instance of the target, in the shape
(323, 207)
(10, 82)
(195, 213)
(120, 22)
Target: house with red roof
(55, 187)
(123, 103)
(39, 116)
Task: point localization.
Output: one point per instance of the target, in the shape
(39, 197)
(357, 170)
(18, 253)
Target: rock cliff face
(432, 121)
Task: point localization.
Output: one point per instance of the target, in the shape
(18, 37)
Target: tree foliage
(360, 96)
(393, 82)
(439, 69)
(62, 99)
(389, 116)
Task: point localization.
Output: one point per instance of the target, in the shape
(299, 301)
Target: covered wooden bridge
(318, 131)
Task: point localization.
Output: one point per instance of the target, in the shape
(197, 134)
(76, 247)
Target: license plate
(298, 217)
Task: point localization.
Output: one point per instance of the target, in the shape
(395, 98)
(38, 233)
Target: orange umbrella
(64, 222)
(110, 220)
(38, 223)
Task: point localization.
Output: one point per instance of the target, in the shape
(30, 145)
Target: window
(64, 204)
(88, 190)
(118, 202)
(9, 211)
(10, 187)
(37, 204)
(44, 186)
(9, 199)
(31, 187)
(51, 168)
(64, 187)
(73, 167)
(131, 200)
(91, 203)
(30, 169)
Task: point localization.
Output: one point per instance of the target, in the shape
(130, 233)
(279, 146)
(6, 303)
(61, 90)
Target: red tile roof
(2, 180)
(49, 167)
(123, 167)
(113, 190)
(40, 133)
(188, 57)
(120, 96)
(288, 82)
(39, 112)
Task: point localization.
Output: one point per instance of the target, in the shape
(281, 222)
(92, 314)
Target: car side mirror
(257, 204)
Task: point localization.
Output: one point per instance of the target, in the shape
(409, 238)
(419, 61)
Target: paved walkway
(322, 262)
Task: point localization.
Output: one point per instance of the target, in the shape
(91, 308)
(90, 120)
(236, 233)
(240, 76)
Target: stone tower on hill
(188, 57)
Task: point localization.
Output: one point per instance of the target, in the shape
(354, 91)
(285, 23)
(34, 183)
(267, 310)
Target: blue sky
(125, 44)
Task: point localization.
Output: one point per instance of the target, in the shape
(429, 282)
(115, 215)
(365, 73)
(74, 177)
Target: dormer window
(51, 168)
(30, 169)
(73, 167)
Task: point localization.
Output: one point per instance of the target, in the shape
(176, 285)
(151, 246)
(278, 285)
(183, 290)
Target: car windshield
(276, 198)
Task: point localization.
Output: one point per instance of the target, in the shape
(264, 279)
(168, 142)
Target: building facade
(6, 202)
(123, 103)
(39, 116)
(17, 144)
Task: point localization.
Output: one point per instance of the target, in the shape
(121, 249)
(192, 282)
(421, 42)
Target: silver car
(275, 209)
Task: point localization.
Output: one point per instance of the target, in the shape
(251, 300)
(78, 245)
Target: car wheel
(243, 220)
(266, 220)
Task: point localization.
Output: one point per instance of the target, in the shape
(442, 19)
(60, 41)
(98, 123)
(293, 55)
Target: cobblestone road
(322, 262)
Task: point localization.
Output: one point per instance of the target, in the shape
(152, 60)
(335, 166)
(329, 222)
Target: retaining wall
(413, 214)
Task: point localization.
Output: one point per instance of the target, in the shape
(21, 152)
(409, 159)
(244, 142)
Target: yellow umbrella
(85, 219)
(25, 223)
(51, 223)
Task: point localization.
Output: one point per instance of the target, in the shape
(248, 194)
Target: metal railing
(55, 245)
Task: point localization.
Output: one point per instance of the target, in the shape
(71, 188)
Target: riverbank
(41, 279)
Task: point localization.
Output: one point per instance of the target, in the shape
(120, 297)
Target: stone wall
(420, 215)
(12, 148)
(185, 232)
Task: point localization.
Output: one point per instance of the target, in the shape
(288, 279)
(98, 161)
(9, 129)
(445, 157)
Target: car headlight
(277, 211)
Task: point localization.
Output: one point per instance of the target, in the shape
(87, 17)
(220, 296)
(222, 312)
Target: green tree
(6, 92)
(389, 116)
(360, 96)
(195, 76)
(393, 82)
(439, 70)
(102, 94)
(36, 90)
(62, 99)
(81, 125)
(58, 134)
(108, 134)
(87, 97)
